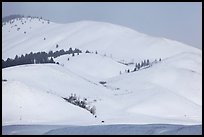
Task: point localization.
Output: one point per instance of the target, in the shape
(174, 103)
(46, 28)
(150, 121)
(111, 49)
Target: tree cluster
(63, 52)
(11, 19)
(73, 99)
(37, 58)
(143, 64)
(32, 58)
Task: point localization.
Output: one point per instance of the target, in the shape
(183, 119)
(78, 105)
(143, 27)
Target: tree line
(143, 64)
(37, 58)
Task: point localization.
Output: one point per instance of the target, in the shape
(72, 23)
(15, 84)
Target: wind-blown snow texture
(169, 92)
(160, 129)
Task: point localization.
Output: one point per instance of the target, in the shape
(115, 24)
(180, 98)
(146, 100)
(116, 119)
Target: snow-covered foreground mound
(22, 104)
(103, 130)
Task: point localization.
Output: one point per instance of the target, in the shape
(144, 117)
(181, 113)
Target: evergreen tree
(147, 62)
(70, 51)
(77, 51)
(50, 54)
(138, 66)
(3, 64)
(21, 62)
(8, 62)
(87, 51)
(16, 60)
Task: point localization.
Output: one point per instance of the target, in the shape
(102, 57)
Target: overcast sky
(176, 21)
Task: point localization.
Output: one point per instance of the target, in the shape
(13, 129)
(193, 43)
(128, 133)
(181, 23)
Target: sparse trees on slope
(73, 99)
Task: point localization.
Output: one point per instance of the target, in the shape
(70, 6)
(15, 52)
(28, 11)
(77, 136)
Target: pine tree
(147, 62)
(70, 51)
(142, 64)
(138, 66)
(3, 64)
(87, 51)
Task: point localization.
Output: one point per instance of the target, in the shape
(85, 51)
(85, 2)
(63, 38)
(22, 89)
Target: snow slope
(169, 92)
(26, 105)
(92, 65)
(113, 40)
(139, 97)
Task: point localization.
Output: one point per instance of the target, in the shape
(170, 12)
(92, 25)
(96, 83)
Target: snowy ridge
(103, 37)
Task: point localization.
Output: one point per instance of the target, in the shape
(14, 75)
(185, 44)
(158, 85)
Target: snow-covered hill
(106, 38)
(169, 91)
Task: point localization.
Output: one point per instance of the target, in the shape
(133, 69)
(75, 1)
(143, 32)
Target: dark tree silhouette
(36, 58)
(87, 51)
(147, 62)
(128, 71)
(138, 65)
